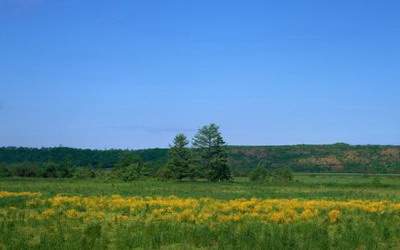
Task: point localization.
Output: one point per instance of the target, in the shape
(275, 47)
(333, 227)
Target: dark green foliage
(130, 167)
(164, 173)
(45, 170)
(213, 159)
(25, 169)
(283, 174)
(78, 157)
(260, 173)
(318, 158)
(65, 171)
(132, 172)
(128, 158)
(84, 173)
(241, 159)
(49, 171)
(180, 159)
(4, 172)
(264, 173)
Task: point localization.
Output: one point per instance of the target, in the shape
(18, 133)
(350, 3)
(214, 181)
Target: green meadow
(304, 186)
(330, 211)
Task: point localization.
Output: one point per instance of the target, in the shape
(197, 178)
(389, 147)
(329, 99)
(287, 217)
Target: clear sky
(132, 74)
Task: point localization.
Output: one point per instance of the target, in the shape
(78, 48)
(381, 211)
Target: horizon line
(229, 145)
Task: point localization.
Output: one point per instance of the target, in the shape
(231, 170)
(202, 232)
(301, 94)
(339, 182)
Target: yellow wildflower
(48, 213)
(72, 213)
(334, 215)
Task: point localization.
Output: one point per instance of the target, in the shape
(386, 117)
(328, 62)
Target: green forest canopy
(338, 157)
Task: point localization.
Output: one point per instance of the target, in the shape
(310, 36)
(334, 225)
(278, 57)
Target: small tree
(283, 174)
(49, 170)
(210, 146)
(180, 158)
(127, 158)
(84, 173)
(132, 172)
(260, 173)
(129, 167)
(4, 172)
(25, 169)
(164, 173)
(65, 172)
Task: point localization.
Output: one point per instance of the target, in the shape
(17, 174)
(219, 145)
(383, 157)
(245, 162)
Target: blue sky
(132, 74)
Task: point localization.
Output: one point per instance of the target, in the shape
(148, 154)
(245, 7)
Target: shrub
(131, 172)
(164, 173)
(49, 171)
(25, 170)
(4, 171)
(259, 173)
(283, 174)
(84, 173)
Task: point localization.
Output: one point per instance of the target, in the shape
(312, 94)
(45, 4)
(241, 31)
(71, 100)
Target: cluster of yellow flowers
(5, 194)
(202, 210)
(334, 215)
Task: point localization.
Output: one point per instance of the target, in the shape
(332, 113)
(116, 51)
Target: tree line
(241, 160)
(207, 158)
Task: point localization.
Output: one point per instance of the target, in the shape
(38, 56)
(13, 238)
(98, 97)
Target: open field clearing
(314, 212)
(325, 186)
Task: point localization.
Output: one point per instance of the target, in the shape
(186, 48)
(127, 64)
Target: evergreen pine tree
(180, 158)
(210, 146)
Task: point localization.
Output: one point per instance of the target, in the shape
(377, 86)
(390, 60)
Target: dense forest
(241, 159)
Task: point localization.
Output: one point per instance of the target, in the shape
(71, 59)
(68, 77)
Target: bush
(283, 174)
(260, 173)
(4, 172)
(25, 170)
(164, 173)
(131, 172)
(84, 173)
(49, 171)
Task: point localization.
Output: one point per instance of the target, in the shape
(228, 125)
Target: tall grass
(33, 222)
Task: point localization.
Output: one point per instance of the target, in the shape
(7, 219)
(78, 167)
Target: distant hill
(338, 157)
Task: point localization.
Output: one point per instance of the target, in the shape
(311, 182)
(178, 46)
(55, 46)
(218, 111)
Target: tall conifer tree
(211, 149)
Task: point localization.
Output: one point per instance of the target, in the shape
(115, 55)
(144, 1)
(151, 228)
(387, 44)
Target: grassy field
(312, 212)
(311, 186)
